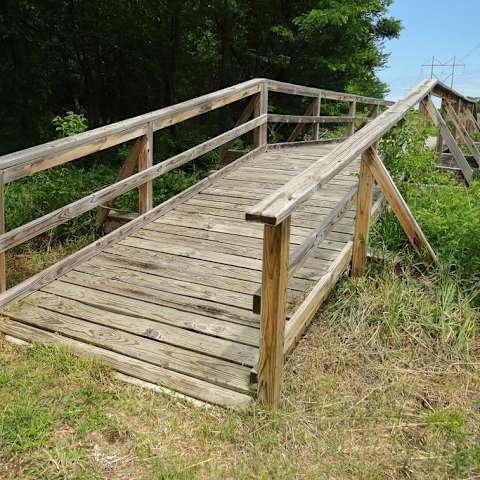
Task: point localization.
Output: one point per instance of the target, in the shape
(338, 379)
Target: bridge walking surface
(172, 303)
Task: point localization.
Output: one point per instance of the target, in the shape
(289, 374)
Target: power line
(436, 63)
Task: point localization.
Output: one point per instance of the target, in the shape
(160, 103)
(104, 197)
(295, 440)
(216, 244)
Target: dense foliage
(447, 210)
(112, 59)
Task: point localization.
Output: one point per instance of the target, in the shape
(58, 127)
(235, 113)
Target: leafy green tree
(111, 59)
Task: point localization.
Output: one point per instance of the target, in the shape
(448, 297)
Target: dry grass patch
(361, 399)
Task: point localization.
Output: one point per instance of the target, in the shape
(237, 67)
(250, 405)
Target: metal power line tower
(437, 63)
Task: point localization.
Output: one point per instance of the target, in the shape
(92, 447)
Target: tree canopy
(111, 59)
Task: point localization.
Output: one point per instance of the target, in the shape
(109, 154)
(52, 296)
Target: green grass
(385, 383)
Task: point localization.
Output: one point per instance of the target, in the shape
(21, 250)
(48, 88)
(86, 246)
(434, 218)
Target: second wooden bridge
(196, 295)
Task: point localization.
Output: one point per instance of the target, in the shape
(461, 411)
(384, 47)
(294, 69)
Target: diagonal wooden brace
(398, 205)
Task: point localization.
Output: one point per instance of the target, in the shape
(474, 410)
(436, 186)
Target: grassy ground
(385, 384)
(372, 391)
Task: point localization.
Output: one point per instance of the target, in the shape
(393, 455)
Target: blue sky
(439, 28)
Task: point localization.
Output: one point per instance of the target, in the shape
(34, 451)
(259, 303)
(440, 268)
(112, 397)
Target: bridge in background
(207, 292)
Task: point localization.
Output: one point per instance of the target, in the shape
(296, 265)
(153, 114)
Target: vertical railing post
(316, 111)
(3, 273)
(362, 217)
(352, 112)
(145, 160)
(439, 146)
(261, 108)
(273, 312)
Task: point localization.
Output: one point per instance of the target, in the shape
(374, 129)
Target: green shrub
(446, 209)
(69, 124)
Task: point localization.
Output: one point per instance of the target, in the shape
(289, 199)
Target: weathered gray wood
(216, 371)
(272, 326)
(352, 112)
(31, 160)
(317, 107)
(186, 384)
(289, 88)
(305, 312)
(260, 108)
(127, 169)
(280, 204)
(3, 268)
(165, 331)
(145, 161)
(26, 232)
(449, 139)
(53, 272)
(462, 132)
(277, 118)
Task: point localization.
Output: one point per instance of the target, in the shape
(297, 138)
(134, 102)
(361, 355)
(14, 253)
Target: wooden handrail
(25, 162)
(42, 224)
(281, 203)
(273, 117)
(292, 89)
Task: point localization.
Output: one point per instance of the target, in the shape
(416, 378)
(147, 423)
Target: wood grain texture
(145, 161)
(448, 138)
(362, 218)
(30, 230)
(65, 265)
(399, 206)
(34, 159)
(272, 325)
(127, 169)
(462, 132)
(280, 204)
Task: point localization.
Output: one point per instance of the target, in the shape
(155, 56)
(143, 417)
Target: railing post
(3, 273)
(439, 147)
(273, 312)
(316, 111)
(145, 160)
(261, 108)
(362, 217)
(352, 112)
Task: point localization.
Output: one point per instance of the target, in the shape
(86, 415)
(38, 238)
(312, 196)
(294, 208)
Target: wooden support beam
(473, 120)
(448, 138)
(362, 218)
(244, 117)
(398, 204)
(29, 230)
(145, 161)
(317, 104)
(127, 169)
(462, 132)
(439, 145)
(352, 112)
(261, 108)
(299, 126)
(273, 312)
(68, 263)
(3, 272)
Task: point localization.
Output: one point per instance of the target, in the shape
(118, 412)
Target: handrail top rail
(277, 206)
(304, 91)
(124, 130)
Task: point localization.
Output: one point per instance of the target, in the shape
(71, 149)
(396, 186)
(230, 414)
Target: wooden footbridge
(206, 293)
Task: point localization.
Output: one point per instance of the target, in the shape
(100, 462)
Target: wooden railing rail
(46, 222)
(276, 209)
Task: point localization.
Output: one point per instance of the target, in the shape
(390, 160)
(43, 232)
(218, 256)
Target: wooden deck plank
(233, 351)
(207, 308)
(185, 384)
(177, 359)
(171, 303)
